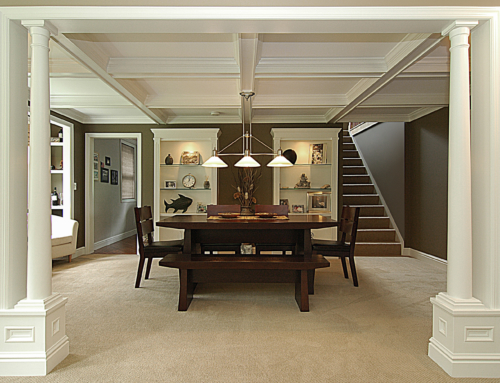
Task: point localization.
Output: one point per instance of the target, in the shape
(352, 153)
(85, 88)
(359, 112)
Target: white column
(39, 226)
(459, 282)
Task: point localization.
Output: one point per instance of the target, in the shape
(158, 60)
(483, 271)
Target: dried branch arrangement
(246, 181)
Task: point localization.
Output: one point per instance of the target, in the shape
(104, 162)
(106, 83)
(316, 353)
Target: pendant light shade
(279, 161)
(214, 161)
(247, 161)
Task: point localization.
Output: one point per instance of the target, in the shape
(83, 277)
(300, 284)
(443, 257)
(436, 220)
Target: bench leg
(310, 281)
(301, 291)
(186, 289)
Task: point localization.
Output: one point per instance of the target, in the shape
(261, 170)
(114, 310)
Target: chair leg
(344, 267)
(69, 258)
(353, 270)
(139, 272)
(148, 267)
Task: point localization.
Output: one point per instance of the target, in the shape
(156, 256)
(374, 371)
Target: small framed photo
(190, 158)
(107, 160)
(114, 177)
(170, 184)
(105, 175)
(201, 207)
(318, 202)
(297, 208)
(317, 154)
(284, 201)
(96, 175)
(96, 157)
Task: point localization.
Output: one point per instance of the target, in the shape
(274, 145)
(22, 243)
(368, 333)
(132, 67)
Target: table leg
(187, 241)
(186, 289)
(301, 292)
(310, 281)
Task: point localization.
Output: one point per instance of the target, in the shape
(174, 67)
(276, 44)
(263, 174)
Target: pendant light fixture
(247, 161)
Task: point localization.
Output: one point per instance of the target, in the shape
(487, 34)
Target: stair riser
(369, 211)
(377, 249)
(348, 146)
(350, 170)
(345, 133)
(361, 200)
(375, 236)
(346, 139)
(352, 162)
(350, 154)
(356, 179)
(373, 223)
(359, 189)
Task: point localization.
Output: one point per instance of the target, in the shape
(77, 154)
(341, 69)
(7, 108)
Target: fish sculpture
(181, 203)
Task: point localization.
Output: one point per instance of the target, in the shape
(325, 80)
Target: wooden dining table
(196, 268)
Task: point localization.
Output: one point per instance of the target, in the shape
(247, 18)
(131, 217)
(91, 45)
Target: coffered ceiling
(173, 72)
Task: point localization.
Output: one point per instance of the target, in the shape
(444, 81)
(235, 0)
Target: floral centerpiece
(246, 185)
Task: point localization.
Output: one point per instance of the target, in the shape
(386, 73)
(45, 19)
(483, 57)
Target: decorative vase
(206, 184)
(169, 160)
(290, 155)
(246, 210)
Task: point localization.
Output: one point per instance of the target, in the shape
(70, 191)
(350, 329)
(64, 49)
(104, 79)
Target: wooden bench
(197, 268)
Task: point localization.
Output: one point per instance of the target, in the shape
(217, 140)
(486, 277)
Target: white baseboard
(430, 259)
(80, 251)
(115, 238)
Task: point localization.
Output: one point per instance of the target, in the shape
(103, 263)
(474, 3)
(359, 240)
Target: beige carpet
(377, 332)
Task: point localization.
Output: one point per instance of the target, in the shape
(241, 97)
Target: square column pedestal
(33, 339)
(465, 337)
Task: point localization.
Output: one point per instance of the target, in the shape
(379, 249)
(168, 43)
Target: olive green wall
(426, 183)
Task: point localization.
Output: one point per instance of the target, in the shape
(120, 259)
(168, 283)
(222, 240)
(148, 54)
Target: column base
(465, 339)
(33, 337)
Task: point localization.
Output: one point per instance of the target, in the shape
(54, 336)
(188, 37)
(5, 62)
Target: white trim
(113, 239)
(362, 127)
(427, 258)
(80, 251)
(89, 180)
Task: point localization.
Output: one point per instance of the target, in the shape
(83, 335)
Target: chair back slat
(147, 227)
(216, 209)
(349, 224)
(146, 213)
(277, 209)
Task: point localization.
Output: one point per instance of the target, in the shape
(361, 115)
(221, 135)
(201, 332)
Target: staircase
(375, 236)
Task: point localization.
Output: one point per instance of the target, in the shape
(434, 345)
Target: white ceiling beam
(129, 67)
(407, 99)
(203, 120)
(322, 65)
(196, 101)
(87, 101)
(409, 51)
(299, 100)
(89, 63)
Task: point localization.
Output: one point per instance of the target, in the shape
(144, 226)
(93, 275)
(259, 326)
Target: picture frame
(190, 157)
(114, 177)
(317, 154)
(170, 184)
(104, 175)
(201, 207)
(298, 209)
(284, 201)
(107, 161)
(319, 202)
(96, 166)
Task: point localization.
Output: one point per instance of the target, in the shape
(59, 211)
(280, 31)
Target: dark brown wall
(229, 133)
(426, 183)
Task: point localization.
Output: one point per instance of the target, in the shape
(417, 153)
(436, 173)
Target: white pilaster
(466, 333)
(32, 334)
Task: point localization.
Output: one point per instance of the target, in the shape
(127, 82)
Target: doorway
(106, 179)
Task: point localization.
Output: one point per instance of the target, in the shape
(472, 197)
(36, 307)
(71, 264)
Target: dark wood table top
(295, 222)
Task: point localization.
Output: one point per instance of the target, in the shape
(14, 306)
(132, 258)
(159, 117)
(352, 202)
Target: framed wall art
(319, 202)
(317, 154)
(114, 177)
(190, 158)
(105, 175)
(169, 184)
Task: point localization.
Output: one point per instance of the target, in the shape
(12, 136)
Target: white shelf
(57, 171)
(305, 189)
(57, 144)
(60, 207)
(190, 189)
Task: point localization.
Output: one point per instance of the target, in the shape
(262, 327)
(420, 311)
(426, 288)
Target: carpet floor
(378, 332)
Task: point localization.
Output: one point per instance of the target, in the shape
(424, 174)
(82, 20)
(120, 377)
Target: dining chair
(210, 248)
(281, 247)
(342, 249)
(147, 247)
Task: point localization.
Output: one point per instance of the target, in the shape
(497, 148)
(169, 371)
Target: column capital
(41, 24)
(459, 24)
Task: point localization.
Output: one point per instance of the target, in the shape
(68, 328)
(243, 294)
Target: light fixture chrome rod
(271, 149)
(227, 146)
(253, 154)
